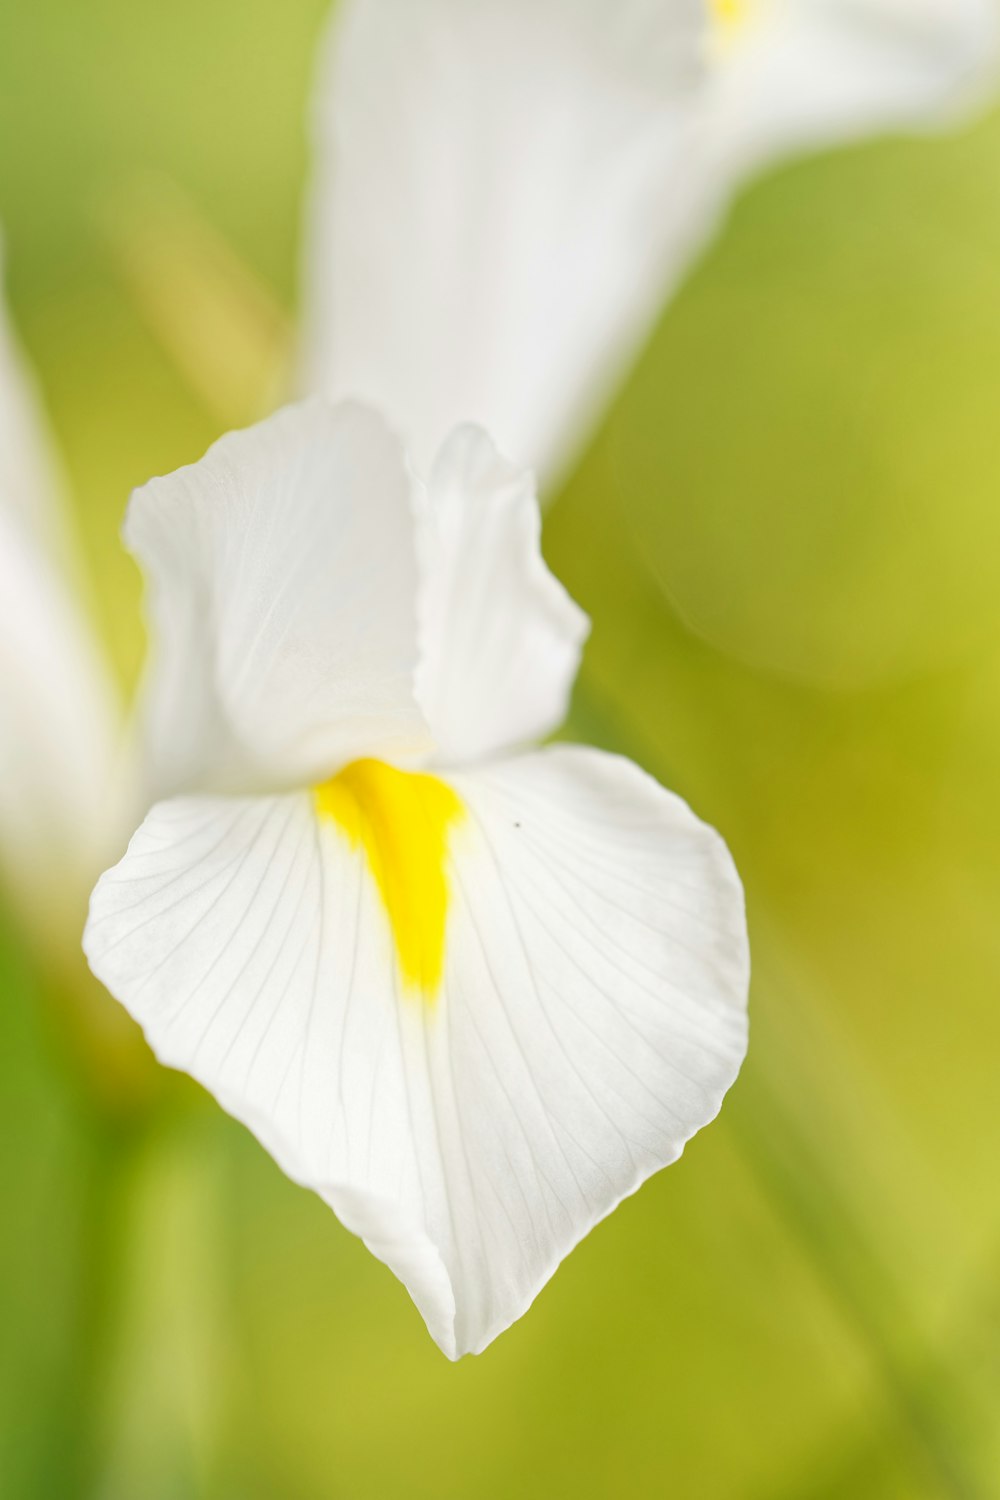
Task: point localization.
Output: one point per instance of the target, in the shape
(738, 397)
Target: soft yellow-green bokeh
(788, 536)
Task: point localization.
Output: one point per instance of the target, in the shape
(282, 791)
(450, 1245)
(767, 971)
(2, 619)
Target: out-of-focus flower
(793, 75)
(60, 779)
(506, 191)
(472, 995)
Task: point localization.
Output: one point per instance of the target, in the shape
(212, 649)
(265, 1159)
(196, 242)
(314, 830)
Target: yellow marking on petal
(729, 13)
(729, 19)
(401, 819)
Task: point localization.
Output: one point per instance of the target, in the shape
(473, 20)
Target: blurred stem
(933, 1410)
(123, 1097)
(216, 319)
(101, 1050)
(115, 1147)
(796, 1180)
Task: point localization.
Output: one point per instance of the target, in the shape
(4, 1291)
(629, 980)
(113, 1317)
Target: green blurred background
(788, 536)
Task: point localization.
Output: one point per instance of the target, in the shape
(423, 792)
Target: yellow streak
(401, 819)
(729, 14)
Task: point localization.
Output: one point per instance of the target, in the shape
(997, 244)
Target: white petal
(590, 1018)
(283, 581)
(61, 787)
(806, 73)
(500, 637)
(500, 201)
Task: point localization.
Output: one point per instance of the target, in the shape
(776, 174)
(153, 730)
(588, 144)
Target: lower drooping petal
(589, 1018)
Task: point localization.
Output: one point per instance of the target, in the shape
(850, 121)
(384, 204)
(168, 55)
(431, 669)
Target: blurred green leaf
(809, 452)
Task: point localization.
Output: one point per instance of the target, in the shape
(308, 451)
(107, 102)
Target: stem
(918, 1385)
(101, 1274)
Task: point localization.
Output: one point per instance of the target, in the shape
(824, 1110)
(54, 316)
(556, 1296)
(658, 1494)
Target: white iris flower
(472, 995)
(506, 191)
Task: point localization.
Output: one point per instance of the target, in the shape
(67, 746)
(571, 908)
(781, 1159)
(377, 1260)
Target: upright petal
(500, 637)
(588, 1019)
(796, 74)
(282, 578)
(505, 192)
(499, 200)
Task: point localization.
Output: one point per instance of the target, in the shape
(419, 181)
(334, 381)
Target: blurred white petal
(506, 191)
(589, 1020)
(500, 637)
(282, 579)
(62, 787)
(60, 784)
(499, 201)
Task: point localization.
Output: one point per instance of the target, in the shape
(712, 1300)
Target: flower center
(401, 820)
